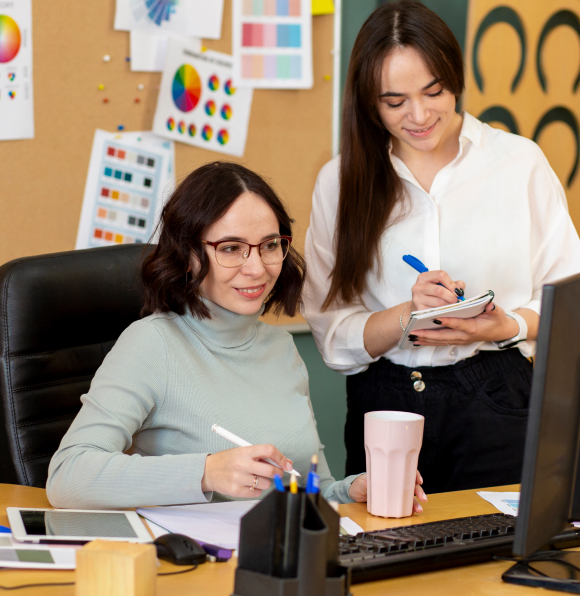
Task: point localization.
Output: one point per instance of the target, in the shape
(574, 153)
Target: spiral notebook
(423, 319)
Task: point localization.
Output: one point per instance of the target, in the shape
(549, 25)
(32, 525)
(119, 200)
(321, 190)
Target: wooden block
(106, 568)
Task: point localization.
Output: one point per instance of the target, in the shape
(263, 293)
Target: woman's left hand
(358, 491)
(492, 325)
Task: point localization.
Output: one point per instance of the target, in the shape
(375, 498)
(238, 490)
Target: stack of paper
(423, 319)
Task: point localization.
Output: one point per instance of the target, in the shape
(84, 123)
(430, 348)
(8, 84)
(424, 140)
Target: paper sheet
(322, 7)
(22, 555)
(507, 503)
(130, 177)
(198, 103)
(347, 526)
(199, 18)
(16, 98)
(216, 523)
(148, 49)
(272, 44)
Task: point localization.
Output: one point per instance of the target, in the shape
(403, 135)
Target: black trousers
(475, 417)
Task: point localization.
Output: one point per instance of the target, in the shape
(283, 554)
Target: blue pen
(313, 481)
(278, 482)
(5, 530)
(418, 266)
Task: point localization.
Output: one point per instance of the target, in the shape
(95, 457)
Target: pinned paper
(17, 110)
(322, 7)
(197, 18)
(272, 44)
(198, 103)
(148, 49)
(130, 177)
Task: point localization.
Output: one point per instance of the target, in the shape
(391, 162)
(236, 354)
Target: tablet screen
(73, 523)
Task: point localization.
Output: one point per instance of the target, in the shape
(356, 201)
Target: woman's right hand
(427, 293)
(233, 472)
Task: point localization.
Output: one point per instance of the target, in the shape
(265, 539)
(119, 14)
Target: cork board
(42, 180)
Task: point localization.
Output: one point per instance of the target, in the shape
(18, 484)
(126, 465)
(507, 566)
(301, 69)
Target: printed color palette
(272, 8)
(9, 38)
(186, 88)
(272, 43)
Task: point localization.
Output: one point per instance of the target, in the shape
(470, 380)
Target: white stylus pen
(226, 434)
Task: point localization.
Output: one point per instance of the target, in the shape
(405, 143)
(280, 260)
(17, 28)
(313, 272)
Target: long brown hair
(369, 186)
(201, 199)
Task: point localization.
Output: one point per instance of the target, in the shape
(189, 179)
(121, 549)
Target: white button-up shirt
(496, 217)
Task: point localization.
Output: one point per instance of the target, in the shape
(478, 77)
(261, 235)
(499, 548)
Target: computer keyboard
(428, 547)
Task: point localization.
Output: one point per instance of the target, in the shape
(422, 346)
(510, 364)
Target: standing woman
(474, 204)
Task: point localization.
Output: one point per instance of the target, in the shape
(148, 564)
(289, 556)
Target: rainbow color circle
(210, 107)
(11, 76)
(229, 87)
(213, 83)
(223, 136)
(12, 94)
(9, 38)
(226, 111)
(207, 132)
(191, 130)
(186, 88)
(181, 127)
(170, 123)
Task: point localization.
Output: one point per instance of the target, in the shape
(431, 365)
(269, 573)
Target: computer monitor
(551, 449)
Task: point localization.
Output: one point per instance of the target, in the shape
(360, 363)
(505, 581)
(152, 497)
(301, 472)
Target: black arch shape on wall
(562, 17)
(561, 114)
(500, 114)
(500, 14)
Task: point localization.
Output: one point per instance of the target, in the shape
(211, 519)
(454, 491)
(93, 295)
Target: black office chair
(60, 314)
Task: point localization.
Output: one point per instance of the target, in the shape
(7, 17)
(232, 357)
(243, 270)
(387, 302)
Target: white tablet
(75, 526)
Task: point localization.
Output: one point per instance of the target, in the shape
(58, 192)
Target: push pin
(203, 49)
(137, 100)
(101, 87)
(140, 86)
(105, 100)
(327, 77)
(106, 58)
(121, 127)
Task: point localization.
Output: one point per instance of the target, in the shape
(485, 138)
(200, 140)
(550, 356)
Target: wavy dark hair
(369, 186)
(201, 199)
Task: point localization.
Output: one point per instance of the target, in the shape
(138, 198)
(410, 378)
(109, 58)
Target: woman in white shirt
(480, 207)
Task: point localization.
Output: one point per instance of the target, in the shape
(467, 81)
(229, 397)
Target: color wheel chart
(199, 104)
(9, 39)
(157, 11)
(16, 98)
(272, 42)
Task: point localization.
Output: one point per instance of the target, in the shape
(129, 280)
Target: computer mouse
(180, 549)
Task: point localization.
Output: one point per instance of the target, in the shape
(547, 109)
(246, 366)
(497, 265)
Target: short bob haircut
(201, 199)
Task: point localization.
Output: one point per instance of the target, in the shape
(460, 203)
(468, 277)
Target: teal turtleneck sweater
(144, 430)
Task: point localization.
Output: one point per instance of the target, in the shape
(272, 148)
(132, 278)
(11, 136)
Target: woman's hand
(427, 293)
(492, 325)
(358, 491)
(233, 472)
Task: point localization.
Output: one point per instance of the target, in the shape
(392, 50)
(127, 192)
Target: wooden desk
(217, 579)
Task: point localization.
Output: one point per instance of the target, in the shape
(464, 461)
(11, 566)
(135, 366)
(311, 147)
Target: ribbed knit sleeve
(90, 469)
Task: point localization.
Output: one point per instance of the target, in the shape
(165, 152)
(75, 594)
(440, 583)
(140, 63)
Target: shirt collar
(471, 130)
(226, 329)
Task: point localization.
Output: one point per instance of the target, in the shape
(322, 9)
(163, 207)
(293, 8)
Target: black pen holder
(289, 547)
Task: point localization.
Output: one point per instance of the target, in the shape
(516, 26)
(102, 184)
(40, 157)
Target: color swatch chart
(198, 103)
(124, 191)
(272, 42)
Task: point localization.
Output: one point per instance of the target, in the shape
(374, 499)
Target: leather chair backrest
(59, 316)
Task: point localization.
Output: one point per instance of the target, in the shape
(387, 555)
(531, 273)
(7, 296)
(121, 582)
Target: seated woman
(143, 435)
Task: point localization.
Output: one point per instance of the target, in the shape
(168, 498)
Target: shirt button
(416, 375)
(418, 386)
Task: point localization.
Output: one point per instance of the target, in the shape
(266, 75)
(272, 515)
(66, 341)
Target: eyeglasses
(231, 253)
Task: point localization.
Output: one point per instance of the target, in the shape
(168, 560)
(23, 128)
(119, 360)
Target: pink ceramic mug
(392, 444)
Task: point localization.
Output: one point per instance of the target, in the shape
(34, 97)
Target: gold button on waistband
(418, 386)
(416, 375)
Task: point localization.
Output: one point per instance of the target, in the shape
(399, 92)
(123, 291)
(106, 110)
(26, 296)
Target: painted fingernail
(459, 291)
(417, 345)
(424, 496)
(420, 478)
(437, 321)
(420, 508)
(493, 308)
(289, 466)
(413, 337)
